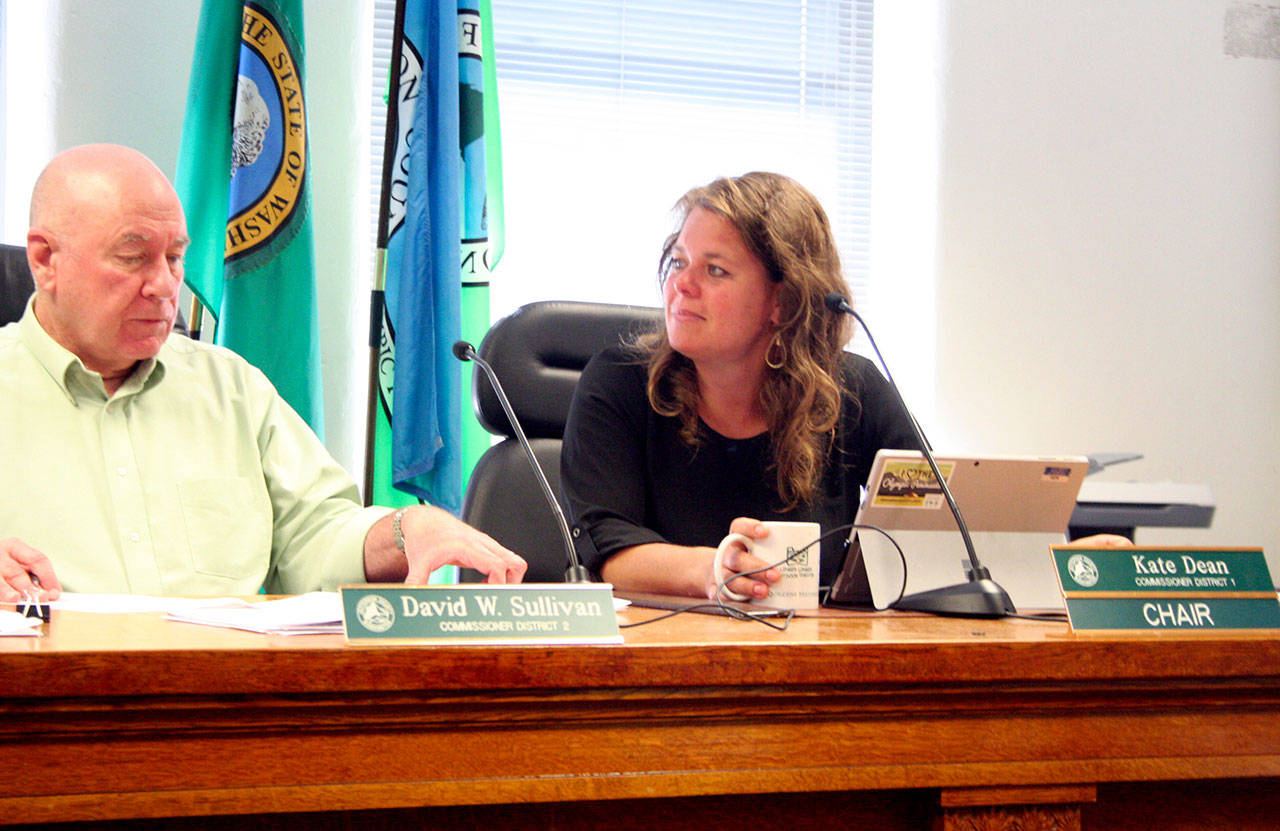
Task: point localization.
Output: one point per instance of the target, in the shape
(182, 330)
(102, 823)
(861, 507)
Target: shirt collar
(67, 370)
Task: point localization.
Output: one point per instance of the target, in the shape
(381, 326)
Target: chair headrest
(539, 350)
(16, 285)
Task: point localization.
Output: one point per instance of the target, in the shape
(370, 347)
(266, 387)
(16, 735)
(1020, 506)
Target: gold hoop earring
(780, 362)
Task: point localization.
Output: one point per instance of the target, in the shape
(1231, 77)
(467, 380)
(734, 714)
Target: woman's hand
(737, 560)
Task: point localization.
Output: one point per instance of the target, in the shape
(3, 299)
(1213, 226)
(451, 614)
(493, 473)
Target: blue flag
(441, 228)
(423, 291)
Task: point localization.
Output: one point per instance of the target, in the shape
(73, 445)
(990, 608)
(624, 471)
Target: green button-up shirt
(193, 478)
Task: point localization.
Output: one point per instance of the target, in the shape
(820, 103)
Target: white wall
(122, 78)
(339, 54)
(1109, 247)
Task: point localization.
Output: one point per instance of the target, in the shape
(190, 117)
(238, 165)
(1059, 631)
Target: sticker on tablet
(911, 484)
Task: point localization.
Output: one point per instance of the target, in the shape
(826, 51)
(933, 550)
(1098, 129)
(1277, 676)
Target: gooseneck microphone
(981, 596)
(575, 572)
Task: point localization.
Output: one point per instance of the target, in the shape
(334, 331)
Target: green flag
(244, 180)
(483, 232)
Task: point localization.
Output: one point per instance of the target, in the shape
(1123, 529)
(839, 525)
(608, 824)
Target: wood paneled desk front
(872, 720)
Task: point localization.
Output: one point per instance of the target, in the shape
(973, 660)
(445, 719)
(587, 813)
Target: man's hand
(1101, 541)
(25, 572)
(434, 538)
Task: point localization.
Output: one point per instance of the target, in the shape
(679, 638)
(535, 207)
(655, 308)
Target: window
(611, 109)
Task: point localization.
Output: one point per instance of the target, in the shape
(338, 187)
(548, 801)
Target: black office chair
(17, 285)
(538, 352)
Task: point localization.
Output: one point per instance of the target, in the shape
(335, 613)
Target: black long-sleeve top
(629, 479)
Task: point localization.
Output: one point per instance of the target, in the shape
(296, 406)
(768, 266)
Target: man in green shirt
(131, 461)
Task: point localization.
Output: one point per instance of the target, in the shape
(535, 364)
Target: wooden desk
(878, 720)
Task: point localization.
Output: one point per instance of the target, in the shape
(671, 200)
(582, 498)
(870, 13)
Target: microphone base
(977, 598)
(577, 574)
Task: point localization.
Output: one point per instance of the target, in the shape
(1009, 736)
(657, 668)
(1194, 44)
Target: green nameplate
(480, 613)
(1161, 589)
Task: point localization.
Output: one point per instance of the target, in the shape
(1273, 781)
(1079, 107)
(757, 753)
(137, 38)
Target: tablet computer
(1014, 506)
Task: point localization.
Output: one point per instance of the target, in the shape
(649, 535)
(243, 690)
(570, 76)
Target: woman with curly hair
(744, 406)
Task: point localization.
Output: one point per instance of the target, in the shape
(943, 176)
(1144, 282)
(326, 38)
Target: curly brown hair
(785, 227)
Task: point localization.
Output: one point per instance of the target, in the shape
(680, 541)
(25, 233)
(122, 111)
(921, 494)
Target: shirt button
(121, 471)
(135, 536)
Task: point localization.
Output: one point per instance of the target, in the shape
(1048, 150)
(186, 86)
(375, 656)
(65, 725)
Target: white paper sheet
(15, 624)
(316, 613)
(122, 604)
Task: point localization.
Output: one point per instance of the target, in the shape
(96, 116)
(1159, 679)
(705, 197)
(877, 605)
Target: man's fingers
(496, 563)
(24, 571)
(15, 584)
(502, 566)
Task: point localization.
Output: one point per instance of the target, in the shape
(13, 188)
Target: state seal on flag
(269, 143)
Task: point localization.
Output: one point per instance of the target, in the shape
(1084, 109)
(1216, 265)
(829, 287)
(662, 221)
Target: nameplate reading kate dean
(545, 613)
(1167, 589)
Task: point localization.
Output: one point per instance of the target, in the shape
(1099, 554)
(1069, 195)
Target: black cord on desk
(769, 617)
(762, 616)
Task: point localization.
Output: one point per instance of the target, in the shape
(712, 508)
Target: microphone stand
(575, 572)
(980, 596)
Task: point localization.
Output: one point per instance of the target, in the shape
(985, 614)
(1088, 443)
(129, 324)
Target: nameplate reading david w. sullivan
(476, 613)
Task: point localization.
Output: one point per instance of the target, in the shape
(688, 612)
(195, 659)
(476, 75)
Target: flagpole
(378, 299)
(195, 319)
(376, 305)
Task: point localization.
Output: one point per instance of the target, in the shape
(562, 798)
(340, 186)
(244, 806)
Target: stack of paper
(317, 613)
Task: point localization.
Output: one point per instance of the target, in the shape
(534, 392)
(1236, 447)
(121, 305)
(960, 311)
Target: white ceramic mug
(798, 588)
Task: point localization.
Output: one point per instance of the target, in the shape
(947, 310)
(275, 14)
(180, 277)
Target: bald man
(132, 461)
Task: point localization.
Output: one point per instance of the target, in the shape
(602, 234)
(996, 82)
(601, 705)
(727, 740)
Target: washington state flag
(244, 179)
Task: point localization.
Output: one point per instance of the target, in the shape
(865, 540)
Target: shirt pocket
(228, 525)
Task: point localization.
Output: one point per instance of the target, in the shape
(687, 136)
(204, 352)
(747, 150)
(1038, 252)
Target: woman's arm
(602, 470)
(663, 568)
